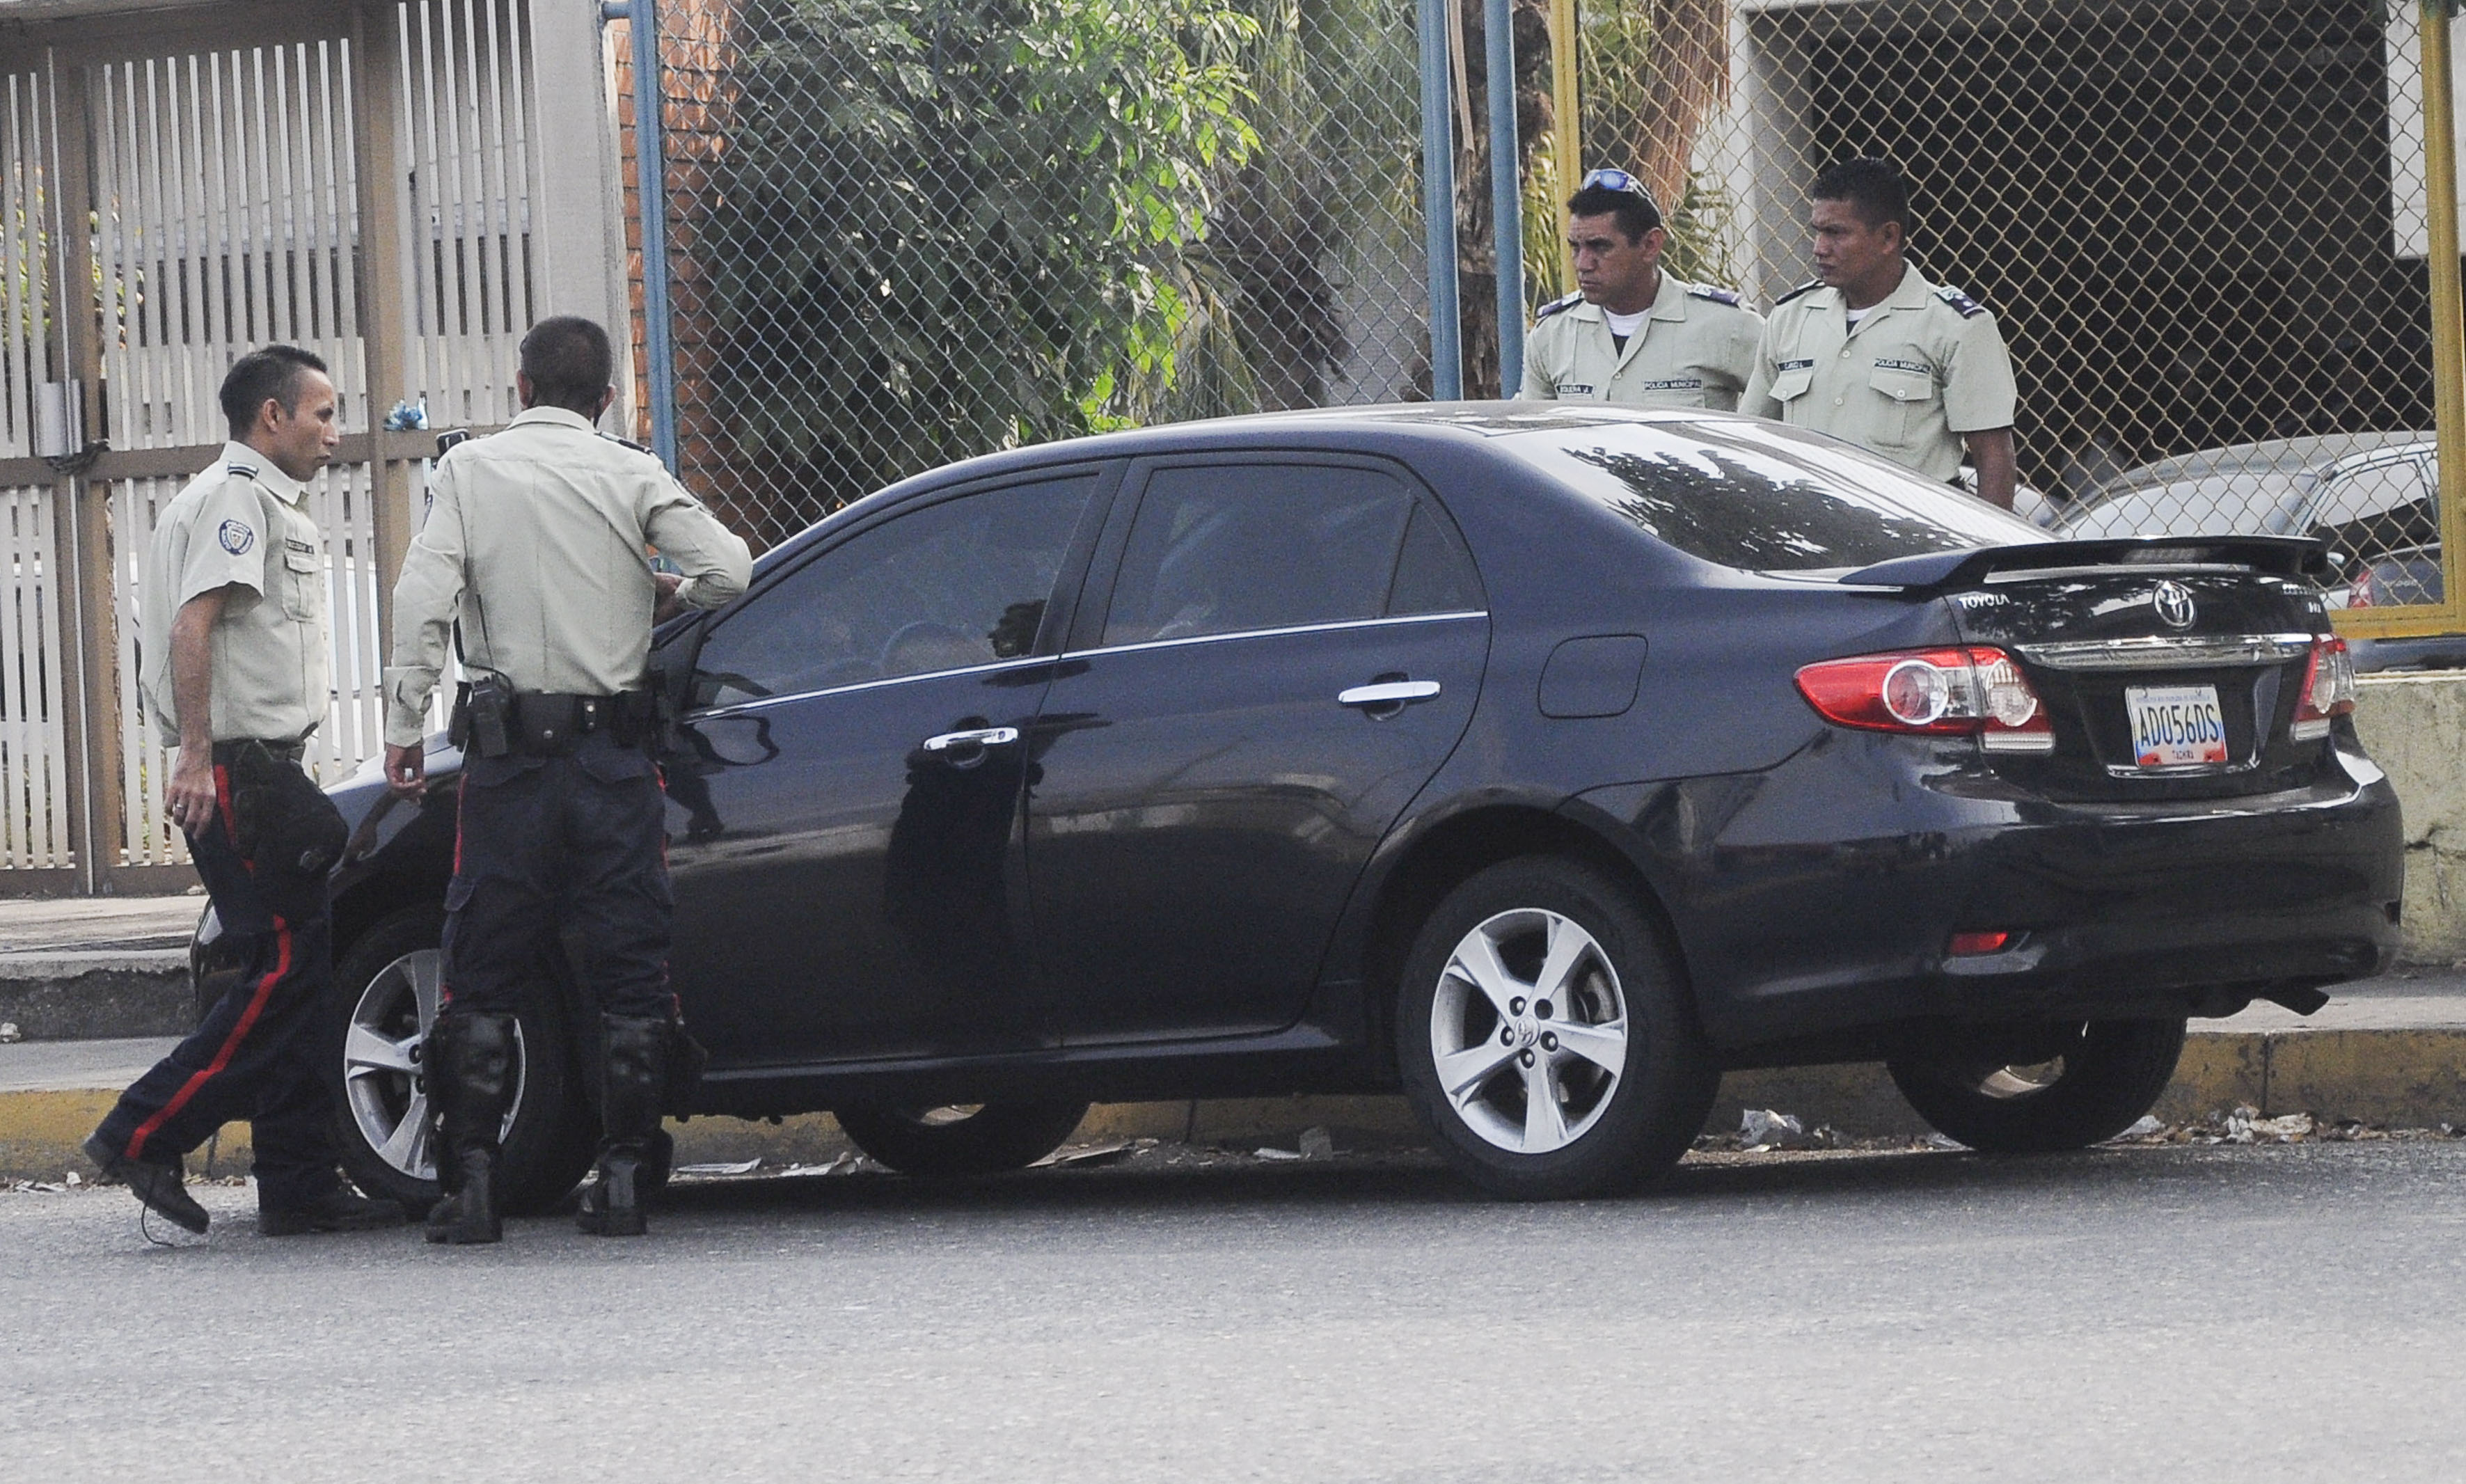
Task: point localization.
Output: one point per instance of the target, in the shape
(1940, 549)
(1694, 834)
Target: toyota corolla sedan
(1538, 761)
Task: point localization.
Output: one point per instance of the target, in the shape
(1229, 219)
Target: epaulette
(246, 471)
(626, 443)
(1557, 305)
(1807, 287)
(1970, 309)
(1718, 296)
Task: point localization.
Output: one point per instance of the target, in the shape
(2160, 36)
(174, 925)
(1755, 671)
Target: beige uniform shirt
(1695, 349)
(1925, 367)
(535, 538)
(242, 523)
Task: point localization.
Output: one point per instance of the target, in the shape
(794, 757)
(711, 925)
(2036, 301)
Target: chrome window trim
(2167, 652)
(1297, 628)
(760, 703)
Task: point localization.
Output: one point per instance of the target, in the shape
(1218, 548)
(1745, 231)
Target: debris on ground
(1090, 1155)
(734, 1167)
(9, 1032)
(1266, 1152)
(1318, 1143)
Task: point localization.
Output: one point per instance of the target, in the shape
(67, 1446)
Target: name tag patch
(1915, 368)
(1805, 365)
(1673, 384)
(236, 538)
(1578, 388)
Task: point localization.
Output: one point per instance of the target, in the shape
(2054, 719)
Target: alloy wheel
(1528, 1031)
(385, 1077)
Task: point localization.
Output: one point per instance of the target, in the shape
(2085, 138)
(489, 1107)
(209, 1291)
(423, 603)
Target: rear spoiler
(2285, 556)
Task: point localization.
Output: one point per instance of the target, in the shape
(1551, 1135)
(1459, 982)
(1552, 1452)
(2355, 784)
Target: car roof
(2286, 455)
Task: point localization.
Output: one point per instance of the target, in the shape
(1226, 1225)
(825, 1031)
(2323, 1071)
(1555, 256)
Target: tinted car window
(958, 583)
(1431, 572)
(1767, 499)
(1224, 548)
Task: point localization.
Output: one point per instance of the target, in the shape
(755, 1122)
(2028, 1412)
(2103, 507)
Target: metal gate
(356, 179)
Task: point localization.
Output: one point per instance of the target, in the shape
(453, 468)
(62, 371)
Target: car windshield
(1761, 498)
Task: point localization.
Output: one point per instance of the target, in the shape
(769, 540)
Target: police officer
(1872, 352)
(535, 538)
(234, 644)
(1632, 333)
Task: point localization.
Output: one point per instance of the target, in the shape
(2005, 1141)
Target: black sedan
(1541, 761)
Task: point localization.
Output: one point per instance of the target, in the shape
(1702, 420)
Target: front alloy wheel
(388, 1002)
(1544, 1037)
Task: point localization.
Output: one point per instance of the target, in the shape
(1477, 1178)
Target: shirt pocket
(300, 579)
(1792, 380)
(1912, 398)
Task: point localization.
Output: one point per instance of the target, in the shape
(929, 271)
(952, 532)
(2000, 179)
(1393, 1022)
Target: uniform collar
(269, 475)
(561, 417)
(1912, 294)
(1669, 304)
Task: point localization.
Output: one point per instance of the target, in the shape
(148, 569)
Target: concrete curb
(74, 995)
(2400, 1078)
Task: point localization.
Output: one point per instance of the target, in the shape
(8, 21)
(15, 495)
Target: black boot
(633, 1076)
(470, 1079)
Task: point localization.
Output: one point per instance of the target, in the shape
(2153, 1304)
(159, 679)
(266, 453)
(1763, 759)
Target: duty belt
(289, 750)
(550, 724)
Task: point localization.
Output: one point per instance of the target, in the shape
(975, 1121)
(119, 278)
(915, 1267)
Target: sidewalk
(2390, 1051)
(72, 968)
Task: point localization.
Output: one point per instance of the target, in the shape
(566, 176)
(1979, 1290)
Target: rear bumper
(1809, 900)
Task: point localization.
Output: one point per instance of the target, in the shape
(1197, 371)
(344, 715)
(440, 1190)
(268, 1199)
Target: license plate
(2175, 726)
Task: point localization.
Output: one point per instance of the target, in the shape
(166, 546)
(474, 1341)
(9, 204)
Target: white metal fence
(358, 179)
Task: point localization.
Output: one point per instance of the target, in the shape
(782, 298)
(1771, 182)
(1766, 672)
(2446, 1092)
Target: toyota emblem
(2174, 605)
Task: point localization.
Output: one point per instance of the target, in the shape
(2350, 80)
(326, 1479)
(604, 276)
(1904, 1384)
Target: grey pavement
(34, 926)
(2182, 1314)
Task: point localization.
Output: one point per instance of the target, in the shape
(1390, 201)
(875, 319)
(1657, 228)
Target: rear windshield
(1762, 498)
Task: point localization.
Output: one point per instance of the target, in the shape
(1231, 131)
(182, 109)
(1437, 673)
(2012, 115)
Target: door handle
(970, 745)
(1388, 693)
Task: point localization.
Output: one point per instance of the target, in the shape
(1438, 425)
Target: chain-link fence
(903, 231)
(906, 230)
(2199, 222)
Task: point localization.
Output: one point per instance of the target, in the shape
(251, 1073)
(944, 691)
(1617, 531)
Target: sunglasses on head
(1615, 180)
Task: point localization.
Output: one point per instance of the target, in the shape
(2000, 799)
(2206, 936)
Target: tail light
(1973, 693)
(2329, 689)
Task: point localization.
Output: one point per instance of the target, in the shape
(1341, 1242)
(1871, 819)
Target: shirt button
(1836, 401)
(1845, 355)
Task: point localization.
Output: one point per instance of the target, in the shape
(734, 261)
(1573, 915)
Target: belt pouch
(548, 726)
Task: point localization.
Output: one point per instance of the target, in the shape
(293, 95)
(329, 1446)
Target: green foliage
(940, 227)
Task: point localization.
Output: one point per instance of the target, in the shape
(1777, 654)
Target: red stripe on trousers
(230, 1045)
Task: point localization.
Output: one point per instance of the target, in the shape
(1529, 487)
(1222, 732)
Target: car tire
(991, 1139)
(385, 1000)
(1542, 975)
(2038, 1090)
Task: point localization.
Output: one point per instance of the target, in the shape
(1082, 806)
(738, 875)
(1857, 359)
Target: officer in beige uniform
(232, 648)
(535, 540)
(1634, 333)
(1873, 353)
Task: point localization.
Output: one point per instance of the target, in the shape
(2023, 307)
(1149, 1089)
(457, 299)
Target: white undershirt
(1855, 315)
(1623, 326)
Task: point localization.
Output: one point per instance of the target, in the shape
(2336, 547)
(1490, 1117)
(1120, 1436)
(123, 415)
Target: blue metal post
(1506, 191)
(1439, 206)
(650, 167)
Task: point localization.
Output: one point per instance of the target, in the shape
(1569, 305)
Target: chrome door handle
(970, 744)
(1388, 693)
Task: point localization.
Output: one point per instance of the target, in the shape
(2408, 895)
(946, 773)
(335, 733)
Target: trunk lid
(2167, 668)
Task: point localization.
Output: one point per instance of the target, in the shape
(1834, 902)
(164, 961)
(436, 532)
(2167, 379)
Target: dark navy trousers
(254, 1055)
(554, 850)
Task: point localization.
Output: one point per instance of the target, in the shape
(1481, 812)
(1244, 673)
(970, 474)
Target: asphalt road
(2246, 1313)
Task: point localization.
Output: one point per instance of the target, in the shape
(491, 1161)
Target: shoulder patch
(1970, 309)
(1560, 306)
(1807, 287)
(236, 537)
(246, 471)
(1718, 296)
(626, 443)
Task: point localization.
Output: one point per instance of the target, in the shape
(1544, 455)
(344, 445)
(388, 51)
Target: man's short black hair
(567, 359)
(1636, 213)
(269, 372)
(1872, 187)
